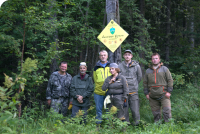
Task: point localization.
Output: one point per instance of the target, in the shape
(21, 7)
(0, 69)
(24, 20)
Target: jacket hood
(56, 73)
(98, 63)
(151, 65)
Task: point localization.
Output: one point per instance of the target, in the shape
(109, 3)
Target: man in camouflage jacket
(58, 89)
(158, 85)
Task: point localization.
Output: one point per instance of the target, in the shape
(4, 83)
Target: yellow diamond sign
(112, 36)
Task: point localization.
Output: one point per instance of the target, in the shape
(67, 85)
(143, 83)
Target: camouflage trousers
(60, 105)
(156, 108)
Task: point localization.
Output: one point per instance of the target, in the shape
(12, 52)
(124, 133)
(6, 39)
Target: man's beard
(156, 64)
(104, 60)
(82, 72)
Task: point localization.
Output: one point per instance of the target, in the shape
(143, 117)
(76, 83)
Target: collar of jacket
(57, 73)
(86, 76)
(151, 66)
(132, 63)
(98, 63)
(119, 74)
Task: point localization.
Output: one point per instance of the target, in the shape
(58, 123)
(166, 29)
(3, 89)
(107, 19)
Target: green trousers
(116, 100)
(133, 104)
(156, 106)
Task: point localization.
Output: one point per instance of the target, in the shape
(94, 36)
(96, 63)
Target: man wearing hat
(81, 90)
(131, 70)
(100, 73)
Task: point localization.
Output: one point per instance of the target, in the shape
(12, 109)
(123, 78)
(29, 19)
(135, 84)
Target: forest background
(36, 35)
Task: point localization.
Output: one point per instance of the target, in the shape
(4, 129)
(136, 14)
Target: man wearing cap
(131, 70)
(158, 85)
(81, 90)
(100, 73)
(57, 93)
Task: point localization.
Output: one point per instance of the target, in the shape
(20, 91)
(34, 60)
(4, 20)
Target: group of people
(119, 83)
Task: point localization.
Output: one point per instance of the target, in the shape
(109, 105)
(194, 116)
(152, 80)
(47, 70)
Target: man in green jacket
(158, 85)
(100, 73)
(81, 89)
(131, 70)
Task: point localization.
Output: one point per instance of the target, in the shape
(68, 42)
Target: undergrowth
(185, 117)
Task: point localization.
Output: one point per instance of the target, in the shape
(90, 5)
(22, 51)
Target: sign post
(112, 36)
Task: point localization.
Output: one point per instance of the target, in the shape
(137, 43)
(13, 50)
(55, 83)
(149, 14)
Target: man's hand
(49, 102)
(80, 98)
(168, 95)
(147, 96)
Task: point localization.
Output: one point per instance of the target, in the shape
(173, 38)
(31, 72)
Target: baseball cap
(128, 51)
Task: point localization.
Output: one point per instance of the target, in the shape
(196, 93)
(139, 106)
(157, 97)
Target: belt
(160, 97)
(117, 94)
(132, 93)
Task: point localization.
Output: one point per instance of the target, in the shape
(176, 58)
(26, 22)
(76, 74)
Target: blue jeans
(99, 101)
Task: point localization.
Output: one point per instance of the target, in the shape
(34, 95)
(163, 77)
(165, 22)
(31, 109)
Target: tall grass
(185, 118)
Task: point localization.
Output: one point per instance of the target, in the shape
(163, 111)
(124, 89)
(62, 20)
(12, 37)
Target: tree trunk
(168, 32)
(112, 10)
(185, 27)
(86, 51)
(192, 31)
(142, 37)
(54, 35)
(86, 25)
(22, 60)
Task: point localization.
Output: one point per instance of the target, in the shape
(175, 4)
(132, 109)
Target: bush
(185, 104)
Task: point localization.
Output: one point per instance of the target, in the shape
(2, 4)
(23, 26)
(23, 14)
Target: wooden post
(112, 10)
(142, 37)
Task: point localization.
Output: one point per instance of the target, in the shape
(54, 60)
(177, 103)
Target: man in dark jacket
(81, 89)
(158, 85)
(57, 93)
(131, 70)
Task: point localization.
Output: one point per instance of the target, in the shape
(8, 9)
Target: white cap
(83, 64)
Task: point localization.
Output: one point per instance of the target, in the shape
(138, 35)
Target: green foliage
(137, 26)
(185, 103)
(185, 117)
(29, 65)
(178, 80)
(8, 112)
(66, 31)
